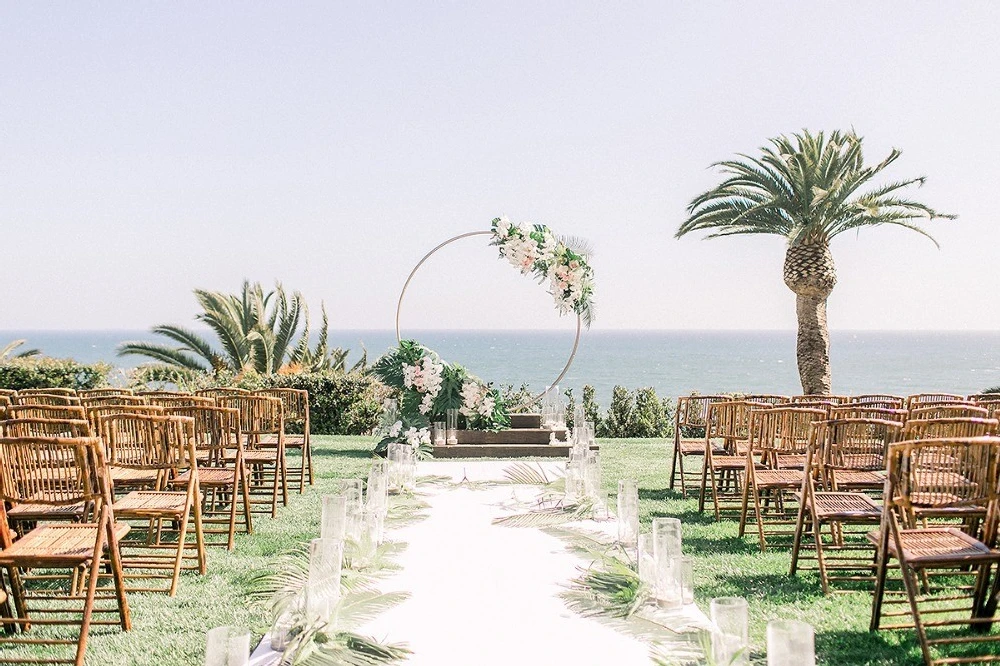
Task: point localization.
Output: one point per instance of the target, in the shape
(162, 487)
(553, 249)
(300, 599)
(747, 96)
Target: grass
(171, 631)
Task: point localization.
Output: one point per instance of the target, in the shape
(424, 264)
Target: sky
(148, 149)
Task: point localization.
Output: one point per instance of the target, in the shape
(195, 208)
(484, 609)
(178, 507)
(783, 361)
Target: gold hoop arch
(402, 294)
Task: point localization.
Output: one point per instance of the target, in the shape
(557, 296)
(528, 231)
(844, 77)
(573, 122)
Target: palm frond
(9, 348)
(161, 353)
(358, 608)
(528, 474)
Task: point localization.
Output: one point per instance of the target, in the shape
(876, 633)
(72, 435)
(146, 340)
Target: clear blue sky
(150, 148)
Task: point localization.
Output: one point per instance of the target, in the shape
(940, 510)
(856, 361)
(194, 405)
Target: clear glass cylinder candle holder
(731, 631)
(592, 478)
(281, 632)
(397, 450)
(451, 423)
(323, 586)
(439, 433)
(227, 646)
(378, 484)
(687, 580)
(333, 519)
(628, 512)
(667, 537)
(790, 643)
(646, 562)
(574, 480)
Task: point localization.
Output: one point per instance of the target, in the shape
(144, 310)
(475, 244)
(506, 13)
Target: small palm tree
(7, 352)
(808, 189)
(256, 331)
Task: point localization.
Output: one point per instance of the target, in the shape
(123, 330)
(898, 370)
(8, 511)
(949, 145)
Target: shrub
(44, 372)
(591, 408)
(621, 413)
(515, 398)
(339, 403)
(570, 407)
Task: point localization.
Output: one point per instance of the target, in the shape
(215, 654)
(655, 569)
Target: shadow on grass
(776, 588)
(864, 647)
(688, 517)
(659, 494)
(327, 452)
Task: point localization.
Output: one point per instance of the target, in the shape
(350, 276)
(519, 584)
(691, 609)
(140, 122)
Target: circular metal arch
(402, 294)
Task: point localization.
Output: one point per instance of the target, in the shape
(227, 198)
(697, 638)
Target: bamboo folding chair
(222, 471)
(29, 512)
(72, 412)
(727, 427)
(689, 433)
(845, 466)
(967, 482)
(296, 406)
(163, 446)
(262, 418)
(949, 427)
(58, 472)
(883, 400)
(780, 437)
(123, 479)
(96, 393)
(48, 390)
(113, 399)
(862, 410)
(818, 398)
(949, 410)
(926, 399)
(992, 405)
(58, 399)
(172, 400)
(221, 392)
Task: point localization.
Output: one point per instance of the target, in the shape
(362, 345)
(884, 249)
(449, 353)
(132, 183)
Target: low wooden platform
(525, 438)
(500, 450)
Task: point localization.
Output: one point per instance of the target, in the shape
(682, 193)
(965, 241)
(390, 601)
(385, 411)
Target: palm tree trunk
(812, 348)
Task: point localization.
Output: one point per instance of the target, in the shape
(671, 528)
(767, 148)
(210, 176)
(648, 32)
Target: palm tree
(256, 332)
(808, 189)
(7, 351)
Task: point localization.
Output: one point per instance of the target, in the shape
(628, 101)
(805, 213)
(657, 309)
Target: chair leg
(199, 530)
(797, 542)
(118, 576)
(673, 464)
(88, 604)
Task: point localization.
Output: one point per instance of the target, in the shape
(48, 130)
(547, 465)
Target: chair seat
(56, 545)
(691, 447)
(846, 506)
(209, 476)
(850, 478)
(151, 504)
(36, 511)
(939, 546)
(258, 457)
(129, 476)
(729, 462)
(296, 441)
(792, 461)
(778, 478)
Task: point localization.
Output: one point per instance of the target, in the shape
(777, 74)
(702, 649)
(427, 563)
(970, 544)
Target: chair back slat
(216, 432)
(221, 392)
(764, 398)
(96, 393)
(944, 473)
(149, 441)
(819, 398)
(95, 415)
(46, 412)
(294, 401)
(863, 410)
(882, 400)
(58, 399)
(949, 410)
(926, 399)
(859, 444)
(45, 428)
(112, 399)
(50, 390)
(171, 400)
(259, 415)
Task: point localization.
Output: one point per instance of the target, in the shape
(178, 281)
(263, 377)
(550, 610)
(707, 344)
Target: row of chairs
(924, 474)
(123, 492)
(295, 403)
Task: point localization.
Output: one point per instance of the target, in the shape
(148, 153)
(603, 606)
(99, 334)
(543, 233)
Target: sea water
(672, 362)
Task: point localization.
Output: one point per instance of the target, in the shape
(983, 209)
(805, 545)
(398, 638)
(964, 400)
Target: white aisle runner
(487, 595)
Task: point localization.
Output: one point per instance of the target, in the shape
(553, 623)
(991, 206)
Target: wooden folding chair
(58, 472)
(49, 390)
(262, 418)
(99, 392)
(779, 436)
(926, 399)
(296, 406)
(689, 433)
(845, 467)
(727, 428)
(59, 399)
(941, 476)
(949, 427)
(222, 471)
(883, 400)
(948, 410)
(111, 399)
(861, 410)
(72, 412)
(163, 446)
(173, 400)
(221, 392)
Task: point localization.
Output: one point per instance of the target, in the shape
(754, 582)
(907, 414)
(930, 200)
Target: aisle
(486, 595)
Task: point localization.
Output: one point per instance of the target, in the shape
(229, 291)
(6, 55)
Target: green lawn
(171, 631)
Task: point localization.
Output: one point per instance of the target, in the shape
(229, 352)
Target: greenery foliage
(638, 413)
(44, 372)
(8, 350)
(256, 332)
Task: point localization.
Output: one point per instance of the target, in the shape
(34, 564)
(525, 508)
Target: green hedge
(339, 403)
(639, 413)
(44, 372)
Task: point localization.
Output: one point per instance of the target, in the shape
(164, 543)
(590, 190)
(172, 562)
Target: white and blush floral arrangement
(534, 249)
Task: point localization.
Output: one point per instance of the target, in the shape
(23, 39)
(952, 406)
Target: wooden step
(502, 451)
(539, 436)
(526, 420)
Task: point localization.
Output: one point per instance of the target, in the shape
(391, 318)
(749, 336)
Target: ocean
(672, 362)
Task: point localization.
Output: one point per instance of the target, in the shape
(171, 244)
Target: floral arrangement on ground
(428, 387)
